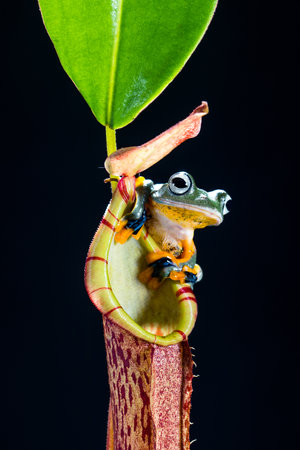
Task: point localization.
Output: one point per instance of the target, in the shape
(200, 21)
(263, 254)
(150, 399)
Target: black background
(53, 198)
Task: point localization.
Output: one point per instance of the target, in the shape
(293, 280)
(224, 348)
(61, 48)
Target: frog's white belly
(167, 233)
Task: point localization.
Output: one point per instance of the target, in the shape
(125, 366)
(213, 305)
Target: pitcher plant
(141, 265)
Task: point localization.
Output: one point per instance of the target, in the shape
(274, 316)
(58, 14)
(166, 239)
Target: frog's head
(181, 201)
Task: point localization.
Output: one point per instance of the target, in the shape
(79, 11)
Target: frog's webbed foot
(136, 224)
(164, 267)
(129, 227)
(131, 224)
(156, 272)
(122, 232)
(187, 274)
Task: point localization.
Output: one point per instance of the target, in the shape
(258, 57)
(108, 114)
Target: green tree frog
(171, 212)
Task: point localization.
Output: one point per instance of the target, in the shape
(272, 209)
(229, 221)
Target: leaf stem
(111, 143)
(111, 147)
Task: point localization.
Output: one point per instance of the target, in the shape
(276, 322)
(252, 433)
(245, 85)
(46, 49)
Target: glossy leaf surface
(122, 53)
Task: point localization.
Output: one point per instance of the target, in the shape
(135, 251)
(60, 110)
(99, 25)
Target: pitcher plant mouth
(163, 316)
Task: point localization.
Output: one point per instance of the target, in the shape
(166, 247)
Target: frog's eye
(179, 183)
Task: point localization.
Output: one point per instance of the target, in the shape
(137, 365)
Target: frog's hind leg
(163, 265)
(157, 272)
(146, 277)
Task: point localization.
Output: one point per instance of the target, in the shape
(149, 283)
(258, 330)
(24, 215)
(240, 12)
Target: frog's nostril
(220, 198)
(225, 206)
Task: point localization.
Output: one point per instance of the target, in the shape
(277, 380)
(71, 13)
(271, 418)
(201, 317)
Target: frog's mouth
(188, 215)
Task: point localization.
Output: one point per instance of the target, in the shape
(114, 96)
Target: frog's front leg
(132, 223)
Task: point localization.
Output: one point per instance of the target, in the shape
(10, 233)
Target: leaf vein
(114, 61)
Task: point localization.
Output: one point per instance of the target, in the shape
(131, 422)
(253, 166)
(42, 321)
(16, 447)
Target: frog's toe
(146, 275)
(136, 224)
(155, 283)
(156, 273)
(187, 275)
(178, 276)
(122, 224)
(192, 274)
(128, 227)
(162, 267)
(136, 235)
(190, 278)
(147, 278)
(123, 235)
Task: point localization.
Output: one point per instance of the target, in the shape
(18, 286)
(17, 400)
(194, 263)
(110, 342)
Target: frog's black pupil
(180, 183)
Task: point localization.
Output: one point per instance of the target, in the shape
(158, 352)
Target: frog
(171, 212)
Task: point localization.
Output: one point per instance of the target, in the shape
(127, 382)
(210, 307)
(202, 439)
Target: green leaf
(122, 53)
